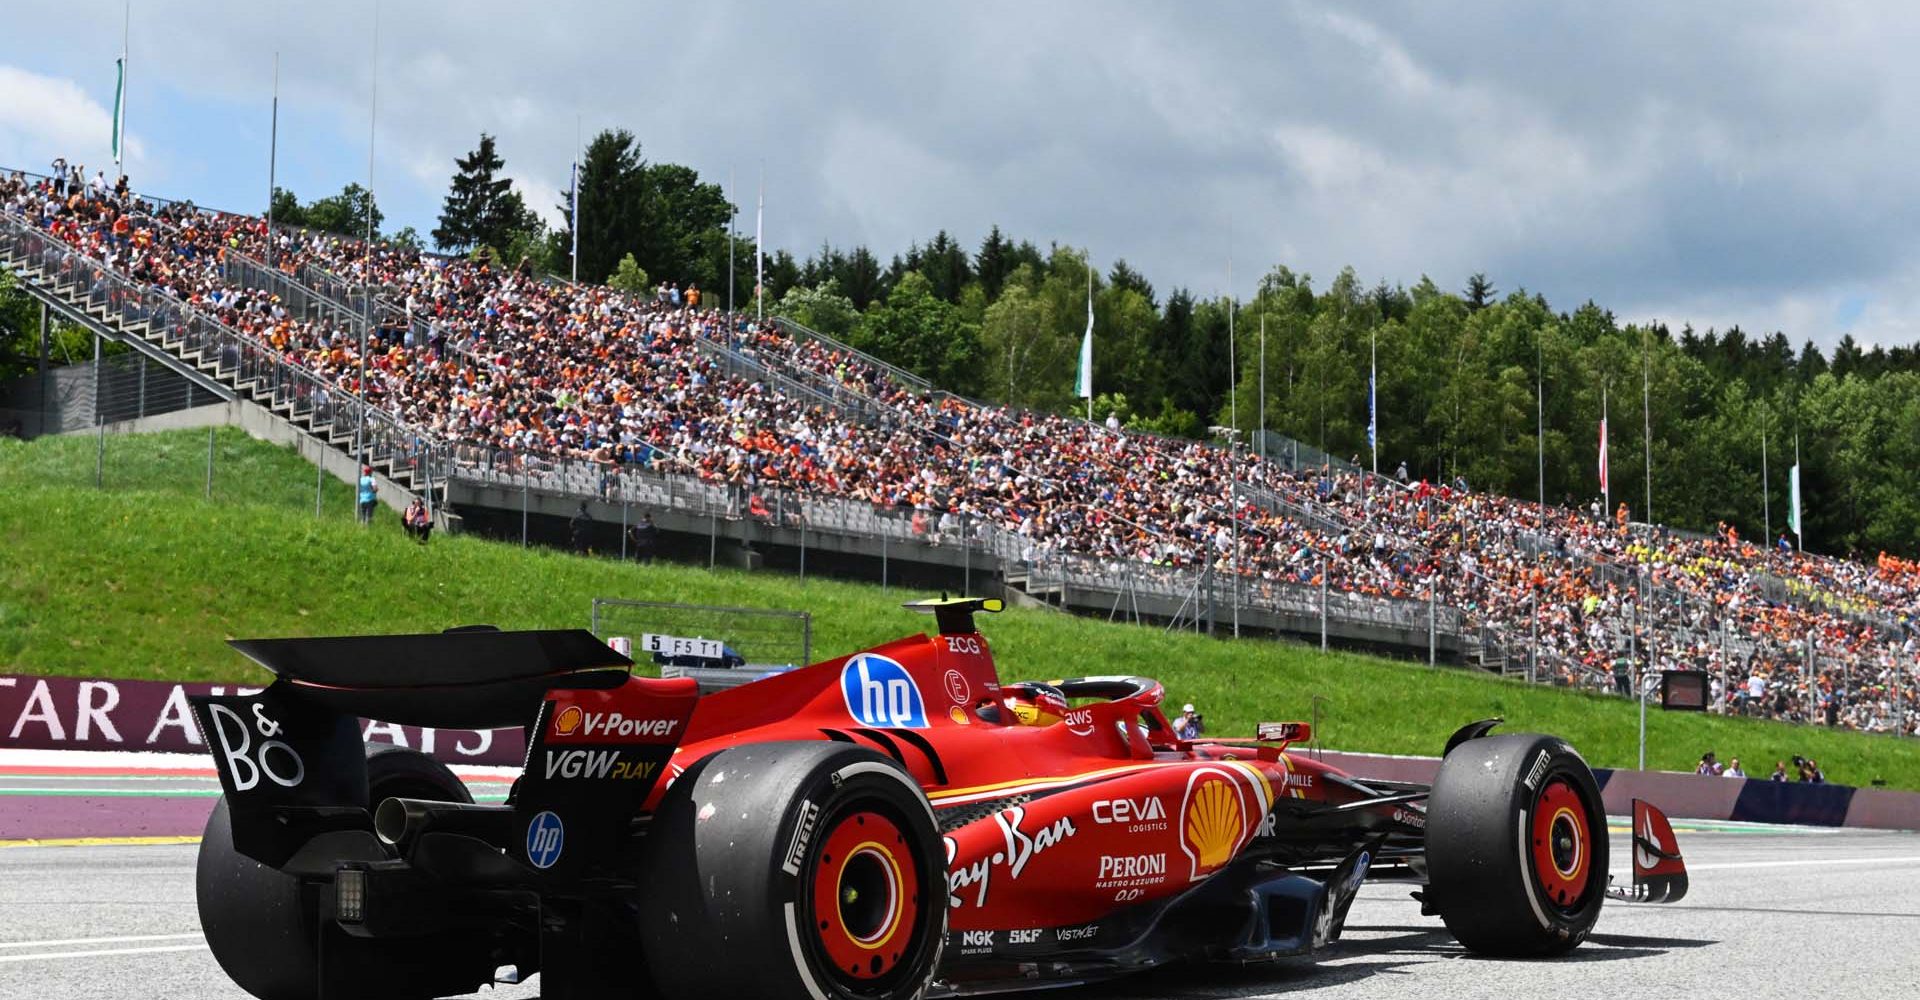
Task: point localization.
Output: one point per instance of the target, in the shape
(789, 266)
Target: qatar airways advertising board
(79, 713)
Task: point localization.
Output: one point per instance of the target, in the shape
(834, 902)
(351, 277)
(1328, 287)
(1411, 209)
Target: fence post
(624, 503)
(1433, 638)
(1807, 681)
(803, 540)
(1639, 673)
(44, 367)
(209, 462)
(884, 537)
(966, 544)
(1533, 654)
(1323, 604)
(713, 536)
(99, 421)
(526, 478)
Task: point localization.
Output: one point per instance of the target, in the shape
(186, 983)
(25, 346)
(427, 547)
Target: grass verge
(147, 578)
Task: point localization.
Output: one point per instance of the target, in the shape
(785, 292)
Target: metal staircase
(232, 365)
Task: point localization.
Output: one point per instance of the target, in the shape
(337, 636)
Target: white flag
(1084, 384)
(1793, 492)
(1603, 455)
(119, 103)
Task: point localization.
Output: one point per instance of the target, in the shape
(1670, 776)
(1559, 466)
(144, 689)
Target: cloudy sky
(1717, 163)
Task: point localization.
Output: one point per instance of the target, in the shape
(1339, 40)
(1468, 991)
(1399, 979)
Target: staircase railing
(260, 372)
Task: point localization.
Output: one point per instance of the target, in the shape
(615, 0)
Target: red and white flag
(1603, 455)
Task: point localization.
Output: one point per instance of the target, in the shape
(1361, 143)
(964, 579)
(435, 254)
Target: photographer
(1190, 724)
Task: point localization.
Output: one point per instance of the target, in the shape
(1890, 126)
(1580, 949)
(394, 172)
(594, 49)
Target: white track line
(50, 955)
(128, 939)
(1810, 863)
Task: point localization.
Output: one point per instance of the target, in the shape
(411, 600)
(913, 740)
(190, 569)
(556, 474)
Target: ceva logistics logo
(880, 693)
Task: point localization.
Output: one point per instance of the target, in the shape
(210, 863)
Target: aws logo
(880, 693)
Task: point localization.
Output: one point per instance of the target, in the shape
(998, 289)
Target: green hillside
(147, 578)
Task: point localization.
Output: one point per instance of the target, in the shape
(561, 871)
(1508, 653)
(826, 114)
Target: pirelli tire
(262, 924)
(808, 869)
(1516, 846)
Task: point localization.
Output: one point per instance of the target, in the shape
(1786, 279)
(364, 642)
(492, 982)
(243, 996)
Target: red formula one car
(890, 824)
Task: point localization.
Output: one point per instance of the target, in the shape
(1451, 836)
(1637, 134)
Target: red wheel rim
(1562, 852)
(865, 896)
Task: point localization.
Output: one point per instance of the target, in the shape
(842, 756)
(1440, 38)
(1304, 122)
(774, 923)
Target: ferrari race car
(894, 823)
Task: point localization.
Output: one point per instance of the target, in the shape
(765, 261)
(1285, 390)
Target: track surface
(1773, 913)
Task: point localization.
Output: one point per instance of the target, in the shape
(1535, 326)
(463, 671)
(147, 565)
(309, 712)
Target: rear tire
(262, 924)
(794, 870)
(1516, 846)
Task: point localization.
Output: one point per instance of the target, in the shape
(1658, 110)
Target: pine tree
(992, 263)
(612, 181)
(859, 277)
(1479, 292)
(1124, 276)
(481, 208)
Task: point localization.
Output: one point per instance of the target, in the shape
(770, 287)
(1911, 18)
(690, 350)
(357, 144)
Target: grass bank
(148, 578)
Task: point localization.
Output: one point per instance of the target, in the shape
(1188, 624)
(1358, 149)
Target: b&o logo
(546, 837)
(273, 759)
(880, 693)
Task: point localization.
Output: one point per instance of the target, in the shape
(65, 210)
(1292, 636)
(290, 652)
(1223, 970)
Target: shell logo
(1221, 808)
(567, 721)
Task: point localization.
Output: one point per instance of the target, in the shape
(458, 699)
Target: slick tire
(1516, 846)
(807, 869)
(262, 924)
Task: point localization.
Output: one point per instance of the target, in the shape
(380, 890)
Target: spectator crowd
(507, 367)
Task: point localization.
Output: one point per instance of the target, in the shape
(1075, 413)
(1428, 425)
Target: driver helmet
(1035, 704)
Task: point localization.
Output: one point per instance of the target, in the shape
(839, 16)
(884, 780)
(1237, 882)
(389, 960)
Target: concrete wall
(1693, 796)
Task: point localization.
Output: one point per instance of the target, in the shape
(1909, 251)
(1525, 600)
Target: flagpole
(1766, 502)
(1606, 478)
(759, 250)
(1799, 517)
(1646, 412)
(1263, 382)
(366, 321)
(733, 214)
(1373, 398)
(1233, 374)
(273, 155)
(120, 147)
(1233, 445)
(576, 199)
(1540, 416)
(1088, 360)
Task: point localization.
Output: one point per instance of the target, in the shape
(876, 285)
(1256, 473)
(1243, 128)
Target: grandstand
(512, 398)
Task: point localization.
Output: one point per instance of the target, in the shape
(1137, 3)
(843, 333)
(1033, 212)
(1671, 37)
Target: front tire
(808, 869)
(1516, 846)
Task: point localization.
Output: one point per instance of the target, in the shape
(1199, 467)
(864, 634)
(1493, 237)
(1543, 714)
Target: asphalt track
(1773, 913)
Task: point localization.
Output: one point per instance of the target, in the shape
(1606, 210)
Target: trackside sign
(77, 713)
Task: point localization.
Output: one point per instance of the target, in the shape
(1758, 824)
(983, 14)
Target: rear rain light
(350, 895)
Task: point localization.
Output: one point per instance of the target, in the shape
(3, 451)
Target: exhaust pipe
(400, 822)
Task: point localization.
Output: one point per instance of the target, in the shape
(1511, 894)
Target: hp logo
(545, 838)
(880, 693)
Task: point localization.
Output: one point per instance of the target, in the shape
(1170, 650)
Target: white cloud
(1693, 162)
(42, 117)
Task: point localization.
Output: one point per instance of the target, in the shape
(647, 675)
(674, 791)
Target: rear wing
(293, 766)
